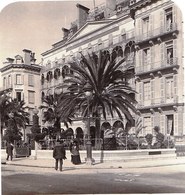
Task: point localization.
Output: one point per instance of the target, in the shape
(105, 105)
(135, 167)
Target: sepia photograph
(92, 97)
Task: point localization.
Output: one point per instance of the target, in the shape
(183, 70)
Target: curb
(94, 166)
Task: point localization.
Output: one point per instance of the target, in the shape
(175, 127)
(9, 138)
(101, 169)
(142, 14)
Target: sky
(35, 25)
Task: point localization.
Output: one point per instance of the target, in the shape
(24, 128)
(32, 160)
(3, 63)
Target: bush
(149, 138)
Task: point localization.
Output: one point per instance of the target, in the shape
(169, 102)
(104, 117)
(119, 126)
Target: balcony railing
(156, 32)
(166, 63)
(158, 102)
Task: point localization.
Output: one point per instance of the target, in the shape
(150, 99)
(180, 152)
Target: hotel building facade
(149, 35)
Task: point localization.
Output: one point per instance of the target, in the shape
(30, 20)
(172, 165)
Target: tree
(15, 118)
(51, 115)
(105, 77)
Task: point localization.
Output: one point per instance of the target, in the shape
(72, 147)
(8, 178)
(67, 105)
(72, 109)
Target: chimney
(65, 32)
(10, 60)
(111, 6)
(82, 14)
(33, 60)
(27, 56)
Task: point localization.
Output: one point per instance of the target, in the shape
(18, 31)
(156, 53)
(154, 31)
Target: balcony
(158, 102)
(157, 66)
(155, 33)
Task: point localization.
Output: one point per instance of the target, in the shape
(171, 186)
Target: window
(145, 26)
(146, 56)
(169, 52)
(147, 90)
(30, 80)
(169, 19)
(18, 96)
(4, 82)
(147, 125)
(18, 79)
(31, 97)
(169, 87)
(9, 80)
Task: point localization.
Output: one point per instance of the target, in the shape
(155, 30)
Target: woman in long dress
(75, 154)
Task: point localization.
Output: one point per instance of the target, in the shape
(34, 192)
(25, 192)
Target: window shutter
(174, 14)
(151, 25)
(152, 123)
(162, 89)
(175, 87)
(152, 91)
(139, 33)
(152, 53)
(162, 54)
(162, 123)
(175, 50)
(140, 93)
(176, 124)
(140, 60)
(162, 21)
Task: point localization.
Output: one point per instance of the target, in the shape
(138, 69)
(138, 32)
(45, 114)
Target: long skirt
(75, 159)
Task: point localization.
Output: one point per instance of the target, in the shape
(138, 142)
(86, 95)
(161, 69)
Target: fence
(128, 142)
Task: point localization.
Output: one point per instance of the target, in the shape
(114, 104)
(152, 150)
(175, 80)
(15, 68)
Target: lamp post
(35, 124)
(88, 143)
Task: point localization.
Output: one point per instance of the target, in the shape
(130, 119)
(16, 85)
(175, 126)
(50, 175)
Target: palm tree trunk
(97, 124)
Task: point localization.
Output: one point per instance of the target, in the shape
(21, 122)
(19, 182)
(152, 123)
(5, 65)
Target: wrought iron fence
(129, 142)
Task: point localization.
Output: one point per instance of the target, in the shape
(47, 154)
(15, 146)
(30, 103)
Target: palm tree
(105, 77)
(51, 115)
(15, 119)
(5, 109)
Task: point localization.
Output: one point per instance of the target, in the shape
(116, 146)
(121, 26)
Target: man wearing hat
(59, 154)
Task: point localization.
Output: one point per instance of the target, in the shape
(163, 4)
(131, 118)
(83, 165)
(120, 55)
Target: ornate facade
(147, 33)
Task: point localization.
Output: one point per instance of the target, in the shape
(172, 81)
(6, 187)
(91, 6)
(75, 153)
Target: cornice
(35, 67)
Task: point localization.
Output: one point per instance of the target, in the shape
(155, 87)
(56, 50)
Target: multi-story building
(159, 69)
(104, 28)
(22, 76)
(147, 33)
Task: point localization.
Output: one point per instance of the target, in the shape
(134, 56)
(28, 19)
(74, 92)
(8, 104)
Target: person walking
(75, 155)
(9, 151)
(59, 153)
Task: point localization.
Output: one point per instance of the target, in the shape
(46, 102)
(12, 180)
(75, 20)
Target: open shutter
(175, 87)
(151, 25)
(152, 56)
(140, 60)
(140, 93)
(174, 14)
(162, 123)
(162, 79)
(176, 126)
(152, 91)
(152, 123)
(175, 52)
(162, 21)
(162, 54)
(139, 32)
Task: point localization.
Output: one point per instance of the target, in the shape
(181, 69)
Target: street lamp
(88, 143)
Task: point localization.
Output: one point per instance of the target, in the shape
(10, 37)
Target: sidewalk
(49, 163)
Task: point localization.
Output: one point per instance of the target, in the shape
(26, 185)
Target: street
(31, 180)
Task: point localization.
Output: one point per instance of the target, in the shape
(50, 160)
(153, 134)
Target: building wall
(158, 74)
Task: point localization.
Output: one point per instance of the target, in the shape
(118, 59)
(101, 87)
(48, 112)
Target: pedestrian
(75, 154)
(9, 151)
(59, 153)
